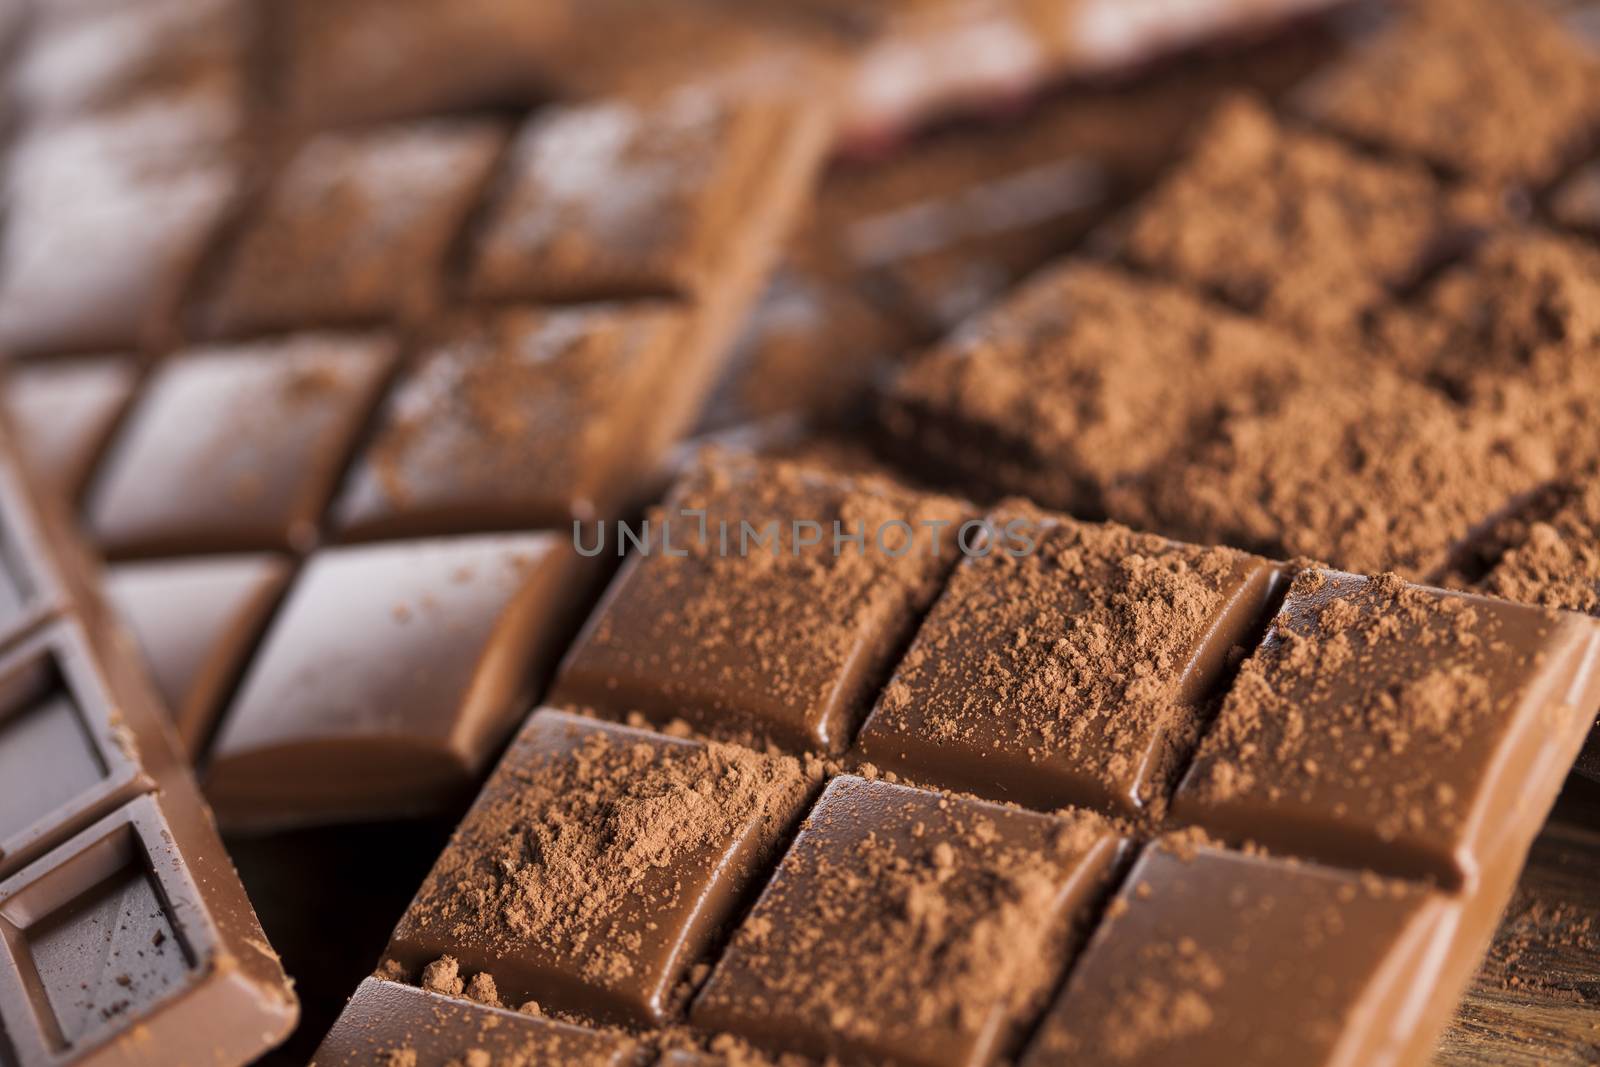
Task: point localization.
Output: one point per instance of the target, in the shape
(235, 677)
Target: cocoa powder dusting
(565, 852)
(1557, 563)
(1293, 225)
(888, 886)
(1388, 475)
(1497, 89)
(1086, 377)
(1091, 654)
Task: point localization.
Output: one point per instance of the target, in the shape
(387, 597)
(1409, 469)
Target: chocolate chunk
(757, 621)
(196, 620)
(1083, 378)
(1290, 224)
(907, 927)
(1383, 725)
(355, 228)
(617, 199)
(597, 865)
(1383, 473)
(514, 419)
(1496, 89)
(105, 219)
(62, 413)
(1211, 957)
(236, 448)
(1074, 674)
(390, 676)
(351, 61)
(399, 1025)
(128, 937)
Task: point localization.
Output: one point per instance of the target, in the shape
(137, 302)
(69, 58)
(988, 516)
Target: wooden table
(1536, 1000)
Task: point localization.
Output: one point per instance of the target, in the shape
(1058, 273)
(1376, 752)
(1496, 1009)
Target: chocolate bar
(1061, 663)
(127, 936)
(883, 69)
(1411, 383)
(462, 317)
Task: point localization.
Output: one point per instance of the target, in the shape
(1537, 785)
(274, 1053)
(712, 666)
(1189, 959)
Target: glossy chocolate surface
(390, 674)
(127, 936)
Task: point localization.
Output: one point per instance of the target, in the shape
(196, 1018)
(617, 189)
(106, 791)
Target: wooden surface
(1536, 1000)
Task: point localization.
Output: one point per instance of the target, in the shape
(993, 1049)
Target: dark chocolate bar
(127, 938)
(1359, 787)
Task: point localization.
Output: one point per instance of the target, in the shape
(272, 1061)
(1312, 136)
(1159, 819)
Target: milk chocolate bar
(461, 317)
(127, 936)
(883, 68)
(1074, 695)
(1376, 391)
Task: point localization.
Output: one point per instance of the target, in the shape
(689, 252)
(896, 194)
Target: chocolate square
(355, 229)
(514, 419)
(908, 927)
(62, 412)
(1290, 224)
(390, 676)
(617, 198)
(102, 929)
(1082, 378)
(105, 220)
(1490, 89)
(57, 714)
(236, 448)
(738, 625)
(386, 1022)
(597, 865)
(356, 61)
(1213, 957)
(1380, 725)
(1075, 673)
(196, 621)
